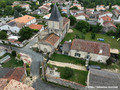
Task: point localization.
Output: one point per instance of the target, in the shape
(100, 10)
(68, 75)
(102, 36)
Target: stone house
(108, 26)
(6, 84)
(49, 43)
(96, 51)
(16, 24)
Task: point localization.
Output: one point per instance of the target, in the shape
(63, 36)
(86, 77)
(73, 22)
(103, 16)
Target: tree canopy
(72, 20)
(83, 25)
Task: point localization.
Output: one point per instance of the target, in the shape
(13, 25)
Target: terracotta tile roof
(15, 85)
(24, 19)
(109, 24)
(90, 46)
(117, 11)
(14, 41)
(3, 83)
(16, 74)
(104, 13)
(65, 21)
(52, 39)
(74, 11)
(35, 26)
(44, 8)
(82, 14)
(106, 18)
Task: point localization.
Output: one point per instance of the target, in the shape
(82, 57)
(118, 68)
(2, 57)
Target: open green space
(67, 59)
(107, 39)
(12, 62)
(78, 75)
(77, 61)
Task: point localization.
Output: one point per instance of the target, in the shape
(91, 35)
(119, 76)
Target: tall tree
(72, 20)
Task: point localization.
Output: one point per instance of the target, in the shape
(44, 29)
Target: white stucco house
(96, 51)
(81, 16)
(105, 14)
(103, 19)
(16, 24)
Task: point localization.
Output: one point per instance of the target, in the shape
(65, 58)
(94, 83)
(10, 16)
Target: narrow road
(36, 59)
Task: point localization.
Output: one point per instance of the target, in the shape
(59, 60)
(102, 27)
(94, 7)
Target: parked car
(93, 67)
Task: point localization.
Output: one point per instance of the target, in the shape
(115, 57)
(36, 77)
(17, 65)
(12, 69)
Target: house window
(77, 54)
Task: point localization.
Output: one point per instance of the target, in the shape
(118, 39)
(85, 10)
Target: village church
(58, 26)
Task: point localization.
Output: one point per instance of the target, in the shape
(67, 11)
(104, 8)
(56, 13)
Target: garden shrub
(66, 73)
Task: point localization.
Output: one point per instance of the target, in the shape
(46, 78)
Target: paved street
(36, 59)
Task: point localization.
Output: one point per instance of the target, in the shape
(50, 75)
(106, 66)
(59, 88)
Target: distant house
(103, 19)
(117, 13)
(81, 16)
(99, 52)
(100, 8)
(49, 43)
(12, 84)
(2, 51)
(45, 8)
(37, 27)
(47, 16)
(105, 79)
(37, 11)
(18, 23)
(78, 6)
(22, 5)
(90, 9)
(107, 26)
(75, 12)
(105, 14)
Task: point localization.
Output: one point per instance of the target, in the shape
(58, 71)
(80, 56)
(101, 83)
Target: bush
(83, 36)
(93, 35)
(66, 73)
(110, 33)
(28, 71)
(14, 53)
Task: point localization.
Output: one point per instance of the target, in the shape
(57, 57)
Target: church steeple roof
(55, 14)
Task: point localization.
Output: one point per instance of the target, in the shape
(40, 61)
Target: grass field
(67, 59)
(77, 61)
(12, 62)
(108, 39)
(78, 76)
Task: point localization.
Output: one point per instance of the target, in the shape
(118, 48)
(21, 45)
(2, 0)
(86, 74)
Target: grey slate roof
(4, 71)
(66, 46)
(104, 78)
(55, 14)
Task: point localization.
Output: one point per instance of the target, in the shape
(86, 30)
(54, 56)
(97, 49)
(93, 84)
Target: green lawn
(108, 39)
(13, 62)
(78, 76)
(67, 59)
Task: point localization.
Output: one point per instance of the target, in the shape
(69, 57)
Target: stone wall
(66, 83)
